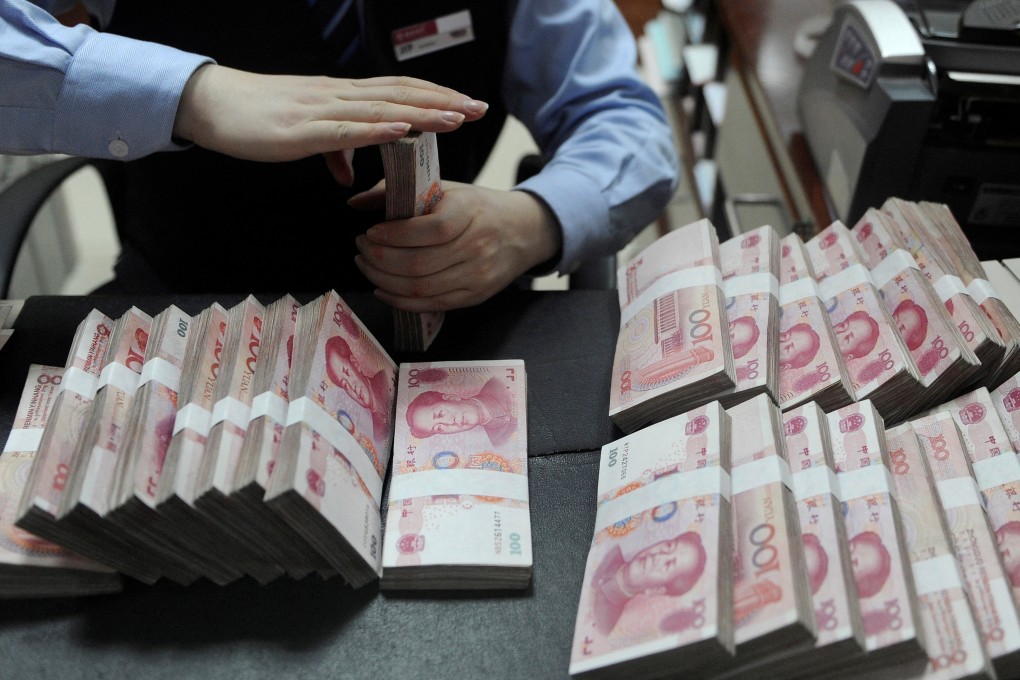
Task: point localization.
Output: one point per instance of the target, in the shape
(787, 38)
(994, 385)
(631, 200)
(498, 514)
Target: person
(816, 561)
(491, 408)
(856, 335)
(374, 393)
(671, 567)
(744, 334)
(240, 89)
(912, 323)
(798, 345)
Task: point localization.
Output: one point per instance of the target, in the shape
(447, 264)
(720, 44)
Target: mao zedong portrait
(434, 412)
(374, 392)
(669, 567)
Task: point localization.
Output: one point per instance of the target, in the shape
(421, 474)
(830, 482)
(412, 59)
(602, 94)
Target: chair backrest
(19, 204)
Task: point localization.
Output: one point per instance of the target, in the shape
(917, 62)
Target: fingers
(340, 164)
(439, 291)
(416, 93)
(372, 199)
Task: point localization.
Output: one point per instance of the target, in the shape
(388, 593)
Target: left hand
(473, 244)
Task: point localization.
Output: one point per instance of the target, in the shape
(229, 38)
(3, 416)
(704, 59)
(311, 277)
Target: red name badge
(431, 36)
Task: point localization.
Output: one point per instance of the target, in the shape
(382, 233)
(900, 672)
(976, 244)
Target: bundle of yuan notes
(413, 187)
(31, 566)
(896, 310)
(672, 353)
(254, 441)
(457, 511)
(657, 590)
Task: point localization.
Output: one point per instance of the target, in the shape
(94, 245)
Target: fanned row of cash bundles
(255, 441)
(810, 495)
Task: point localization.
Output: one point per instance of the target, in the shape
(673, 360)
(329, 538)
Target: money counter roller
(921, 100)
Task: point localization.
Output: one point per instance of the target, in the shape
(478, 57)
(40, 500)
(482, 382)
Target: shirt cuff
(120, 98)
(581, 209)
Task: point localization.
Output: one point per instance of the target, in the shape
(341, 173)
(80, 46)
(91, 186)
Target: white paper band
(193, 417)
(895, 262)
(751, 284)
(26, 439)
(981, 290)
(269, 404)
(233, 411)
(675, 487)
(120, 376)
(163, 372)
(798, 290)
(865, 481)
(306, 411)
(997, 470)
(459, 482)
(707, 275)
(759, 473)
(949, 286)
(854, 275)
(80, 382)
(936, 574)
(815, 481)
(958, 492)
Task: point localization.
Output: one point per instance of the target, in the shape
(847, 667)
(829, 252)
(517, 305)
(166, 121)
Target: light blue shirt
(571, 79)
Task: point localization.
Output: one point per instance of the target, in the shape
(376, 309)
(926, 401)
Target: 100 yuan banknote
(459, 490)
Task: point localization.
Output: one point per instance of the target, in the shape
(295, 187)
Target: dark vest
(209, 223)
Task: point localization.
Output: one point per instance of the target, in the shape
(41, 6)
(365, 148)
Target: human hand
(282, 118)
(471, 246)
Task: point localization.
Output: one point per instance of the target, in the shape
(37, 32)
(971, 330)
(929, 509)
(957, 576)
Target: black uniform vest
(204, 222)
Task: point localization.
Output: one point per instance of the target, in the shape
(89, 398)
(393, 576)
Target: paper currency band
(232, 410)
(759, 473)
(949, 286)
(80, 382)
(163, 372)
(815, 481)
(997, 470)
(459, 482)
(958, 492)
(751, 284)
(865, 481)
(306, 411)
(120, 376)
(26, 439)
(854, 275)
(981, 290)
(193, 417)
(269, 404)
(798, 290)
(937, 574)
(892, 266)
(706, 275)
(676, 487)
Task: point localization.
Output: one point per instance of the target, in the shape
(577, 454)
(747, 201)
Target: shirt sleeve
(77, 91)
(572, 81)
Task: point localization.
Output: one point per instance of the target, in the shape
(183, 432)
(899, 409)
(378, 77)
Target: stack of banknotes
(896, 310)
(853, 549)
(413, 187)
(254, 441)
(457, 510)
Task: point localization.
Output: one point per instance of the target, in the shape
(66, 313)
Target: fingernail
(402, 128)
(475, 106)
(452, 117)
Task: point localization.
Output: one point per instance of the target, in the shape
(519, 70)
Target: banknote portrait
(373, 392)
(492, 409)
(744, 333)
(816, 560)
(1008, 538)
(871, 563)
(668, 567)
(856, 335)
(912, 322)
(798, 346)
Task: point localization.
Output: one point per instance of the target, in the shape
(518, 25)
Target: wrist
(545, 234)
(192, 108)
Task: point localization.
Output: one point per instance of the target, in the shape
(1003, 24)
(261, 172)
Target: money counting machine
(920, 99)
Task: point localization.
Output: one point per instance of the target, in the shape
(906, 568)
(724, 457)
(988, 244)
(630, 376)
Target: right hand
(282, 118)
